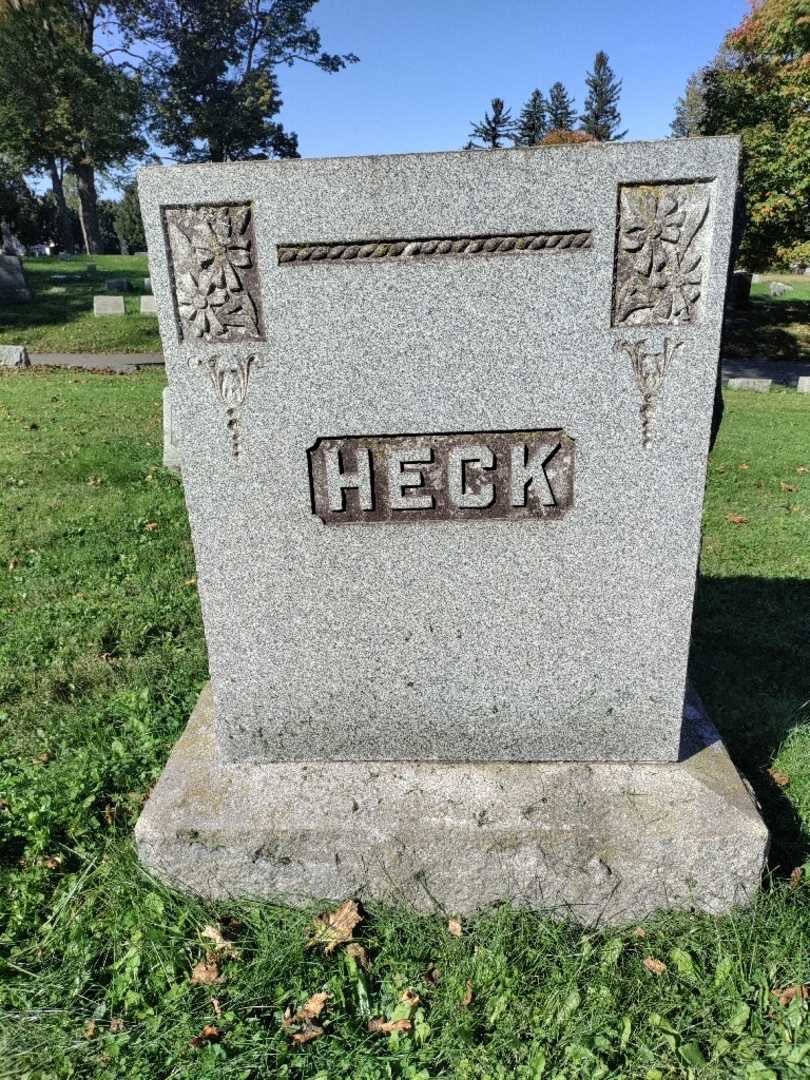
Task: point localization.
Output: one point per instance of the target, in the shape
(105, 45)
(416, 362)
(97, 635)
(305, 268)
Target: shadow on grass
(762, 330)
(749, 662)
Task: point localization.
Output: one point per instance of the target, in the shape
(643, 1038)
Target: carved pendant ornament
(661, 247)
(216, 280)
(230, 376)
(649, 369)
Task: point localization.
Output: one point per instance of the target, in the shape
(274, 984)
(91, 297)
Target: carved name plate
(391, 479)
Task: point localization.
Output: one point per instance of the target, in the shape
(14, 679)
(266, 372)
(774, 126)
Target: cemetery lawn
(771, 327)
(60, 316)
(101, 659)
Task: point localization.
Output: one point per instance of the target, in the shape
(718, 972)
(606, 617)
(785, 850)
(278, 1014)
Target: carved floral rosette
(212, 253)
(661, 251)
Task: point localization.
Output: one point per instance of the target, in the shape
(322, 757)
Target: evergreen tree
(602, 117)
(128, 223)
(560, 109)
(690, 109)
(493, 129)
(532, 123)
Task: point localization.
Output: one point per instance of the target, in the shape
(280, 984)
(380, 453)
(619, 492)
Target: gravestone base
(601, 842)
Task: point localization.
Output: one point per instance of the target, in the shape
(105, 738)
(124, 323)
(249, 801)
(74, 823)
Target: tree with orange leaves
(759, 88)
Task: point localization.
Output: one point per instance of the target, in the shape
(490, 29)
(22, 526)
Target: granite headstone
(13, 286)
(108, 305)
(14, 356)
(148, 305)
(171, 452)
(444, 422)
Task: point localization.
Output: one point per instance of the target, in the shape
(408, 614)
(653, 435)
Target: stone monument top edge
(732, 142)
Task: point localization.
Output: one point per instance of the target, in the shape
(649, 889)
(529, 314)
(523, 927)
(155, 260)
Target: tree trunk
(88, 212)
(64, 231)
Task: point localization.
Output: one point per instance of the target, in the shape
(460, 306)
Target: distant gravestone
(147, 285)
(90, 269)
(14, 356)
(171, 451)
(803, 385)
(108, 305)
(761, 386)
(13, 287)
(444, 423)
(65, 256)
(779, 288)
(148, 306)
(117, 285)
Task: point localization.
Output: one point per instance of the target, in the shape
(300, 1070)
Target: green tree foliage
(494, 129)
(212, 82)
(690, 109)
(128, 223)
(532, 124)
(601, 117)
(61, 102)
(560, 109)
(19, 210)
(759, 88)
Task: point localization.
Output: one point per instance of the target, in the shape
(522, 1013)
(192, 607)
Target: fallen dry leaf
(13, 564)
(360, 954)
(151, 526)
(307, 1034)
(433, 976)
(90, 1029)
(802, 469)
(795, 877)
(210, 1033)
(206, 971)
(216, 1006)
(220, 943)
(385, 1027)
(737, 519)
(313, 1007)
(790, 992)
(51, 862)
(94, 481)
(410, 998)
(779, 778)
(190, 581)
(305, 1031)
(454, 926)
(116, 1025)
(656, 967)
(333, 928)
(468, 995)
(639, 933)
(743, 465)
(787, 487)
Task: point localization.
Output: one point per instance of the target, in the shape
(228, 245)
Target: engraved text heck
(526, 475)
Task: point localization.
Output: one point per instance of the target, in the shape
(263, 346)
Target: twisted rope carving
(405, 249)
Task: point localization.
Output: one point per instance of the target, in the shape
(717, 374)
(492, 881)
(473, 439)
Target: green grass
(60, 317)
(101, 658)
(771, 327)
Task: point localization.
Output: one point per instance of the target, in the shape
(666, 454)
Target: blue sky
(429, 67)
